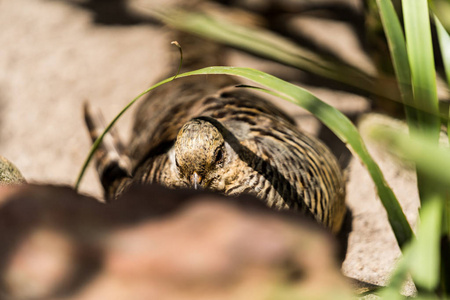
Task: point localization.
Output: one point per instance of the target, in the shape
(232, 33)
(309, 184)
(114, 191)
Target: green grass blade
(397, 46)
(444, 43)
(432, 193)
(403, 268)
(421, 61)
(414, 64)
(442, 10)
(398, 277)
(433, 162)
(425, 267)
(265, 43)
(110, 125)
(331, 117)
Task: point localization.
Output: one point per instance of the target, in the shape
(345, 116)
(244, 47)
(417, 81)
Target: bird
(207, 133)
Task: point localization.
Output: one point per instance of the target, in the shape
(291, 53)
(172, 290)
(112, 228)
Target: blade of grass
(398, 276)
(434, 162)
(432, 194)
(330, 116)
(420, 55)
(444, 43)
(397, 47)
(425, 266)
(421, 61)
(442, 10)
(110, 125)
(393, 289)
(265, 43)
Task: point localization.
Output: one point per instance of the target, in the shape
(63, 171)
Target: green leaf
(267, 44)
(434, 162)
(442, 10)
(421, 61)
(398, 276)
(330, 116)
(397, 47)
(425, 265)
(110, 125)
(415, 65)
(444, 43)
(432, 193)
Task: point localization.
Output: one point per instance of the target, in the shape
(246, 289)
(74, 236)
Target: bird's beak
(196, 180)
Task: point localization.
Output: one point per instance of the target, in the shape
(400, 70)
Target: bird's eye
(219, 155)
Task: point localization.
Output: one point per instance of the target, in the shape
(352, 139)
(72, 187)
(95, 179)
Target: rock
(9, 174)
(155, 243)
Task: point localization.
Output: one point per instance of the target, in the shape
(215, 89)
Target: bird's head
(200, 153)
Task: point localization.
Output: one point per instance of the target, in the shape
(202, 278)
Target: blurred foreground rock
(159, 244)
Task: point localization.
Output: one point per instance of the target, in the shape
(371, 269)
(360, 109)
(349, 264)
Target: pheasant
(206, 133)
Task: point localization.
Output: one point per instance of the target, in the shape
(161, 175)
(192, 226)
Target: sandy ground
(53, 57)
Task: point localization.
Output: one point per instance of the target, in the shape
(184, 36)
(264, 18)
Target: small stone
(9, 174)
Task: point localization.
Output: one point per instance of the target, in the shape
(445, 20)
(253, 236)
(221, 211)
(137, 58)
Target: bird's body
(199, 132)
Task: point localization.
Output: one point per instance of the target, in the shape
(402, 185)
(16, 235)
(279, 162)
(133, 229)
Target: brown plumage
(199, 132)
